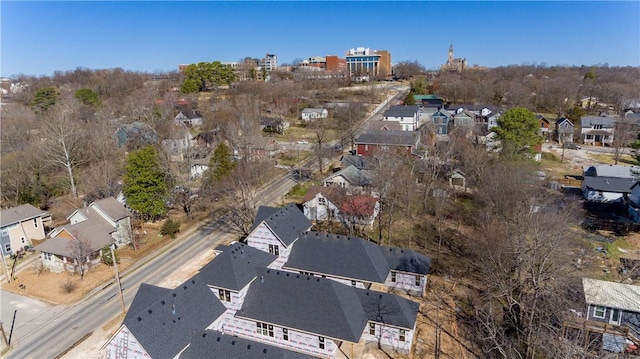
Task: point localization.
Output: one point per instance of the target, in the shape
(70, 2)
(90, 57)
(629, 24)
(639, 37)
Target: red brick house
(374, 141)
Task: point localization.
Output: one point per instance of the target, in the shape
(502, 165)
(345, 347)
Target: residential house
(406, 115)
(352, 179)
(564, 131)
(372, 142)
(206, 139)
(103, 223)
(257, 147)
(277, 125)
(19, 226)
(358, 262)
(189, 118)
(310, 114)
(618, 305)
(463, 121)
(385, 125)
(274, 230)
(440, 120)
(492, 120)
(359, 162)
(199, 167)
(179, 142)
(597, 130)
(334, 204)
(322, 316)
(232, 271)
(544, 127)
(135, 135)
(323, 203)
(160, 323)
(428, 101)
(607, 189)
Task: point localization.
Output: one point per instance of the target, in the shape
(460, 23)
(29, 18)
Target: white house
(598, 130)
(189, 118)
(408, 116)
(310, 114)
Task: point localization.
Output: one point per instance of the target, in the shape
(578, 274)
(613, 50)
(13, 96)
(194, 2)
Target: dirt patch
(48, 286)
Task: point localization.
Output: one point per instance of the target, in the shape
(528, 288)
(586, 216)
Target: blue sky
(38, 38)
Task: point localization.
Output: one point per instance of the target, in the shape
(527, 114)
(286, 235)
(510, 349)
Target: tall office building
(363, 61)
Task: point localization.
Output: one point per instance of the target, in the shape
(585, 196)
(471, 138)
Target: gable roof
(401, 111)
(235, 267)
(394, 138)
(621, 171)
(605, 121)
(96, 233)
(334, 194)
(314, 110)
(354, 176)
(360, 206)
(20, 213)
(611, 294)
(166, 326)
(112, 208)
(213, 344)
(189, 114)
(287, 223)
(564, 120)
(385, 125)
(388, 308)
(609, 184)
(352, 257)
(359, 162)
(314, 305)
(542, 117)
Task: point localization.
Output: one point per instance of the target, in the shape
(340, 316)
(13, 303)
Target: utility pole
(115, 266)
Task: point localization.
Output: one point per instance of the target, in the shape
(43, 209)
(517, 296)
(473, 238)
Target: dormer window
(597, 127)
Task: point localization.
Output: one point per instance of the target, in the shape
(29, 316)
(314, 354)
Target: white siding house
(310, 114)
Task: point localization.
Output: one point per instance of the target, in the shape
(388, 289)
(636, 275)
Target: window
(322, 200)
(372, 329)
(393, 277)
(597, 127)
(7, 247)
(599, 312)
(353, 283)
(35, 223)
(321, 342)
(418, 281)
(285, 334)
(402, 335)
(22, 240)
(47, 256)
(274, 249)
(615, 315)
(224, 295)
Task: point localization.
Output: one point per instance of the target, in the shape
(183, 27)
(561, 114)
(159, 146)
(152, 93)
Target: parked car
(302, 142)
(571, 146)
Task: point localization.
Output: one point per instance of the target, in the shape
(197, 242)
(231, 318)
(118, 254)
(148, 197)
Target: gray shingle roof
(401, 111)
(354, 176)
(609, 184)
(287, 223)
(166, 326)
(359, 162)
(20, 213)
(612, 171)
(213, 344)
(388, 308)
(352, 258)
(146, 295)
(236, 267)
(605, 121)
(611, 294)
(385, 125)
(96, 232)
(311, 304)
(112, 208)
(338, 255)
(383, 137)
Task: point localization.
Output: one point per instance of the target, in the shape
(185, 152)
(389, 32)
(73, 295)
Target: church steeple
(450, 53)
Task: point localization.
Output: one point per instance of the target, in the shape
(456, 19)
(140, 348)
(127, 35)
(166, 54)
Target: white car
(302, 142)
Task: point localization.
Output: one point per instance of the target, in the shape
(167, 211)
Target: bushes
(68, 286)
(106, 256)
(171, 228)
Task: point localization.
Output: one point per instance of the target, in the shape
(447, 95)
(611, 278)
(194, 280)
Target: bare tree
(80, 249)
(64, 145)
(320, 127)
(349, 119)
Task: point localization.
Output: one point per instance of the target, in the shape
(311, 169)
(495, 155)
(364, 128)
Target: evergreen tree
(221, 164)
(145, 183)
(44, 99)
(518, 131)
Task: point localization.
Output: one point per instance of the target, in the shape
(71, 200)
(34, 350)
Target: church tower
(450, 54)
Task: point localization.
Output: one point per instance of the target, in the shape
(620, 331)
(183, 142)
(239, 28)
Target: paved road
(47, 331)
